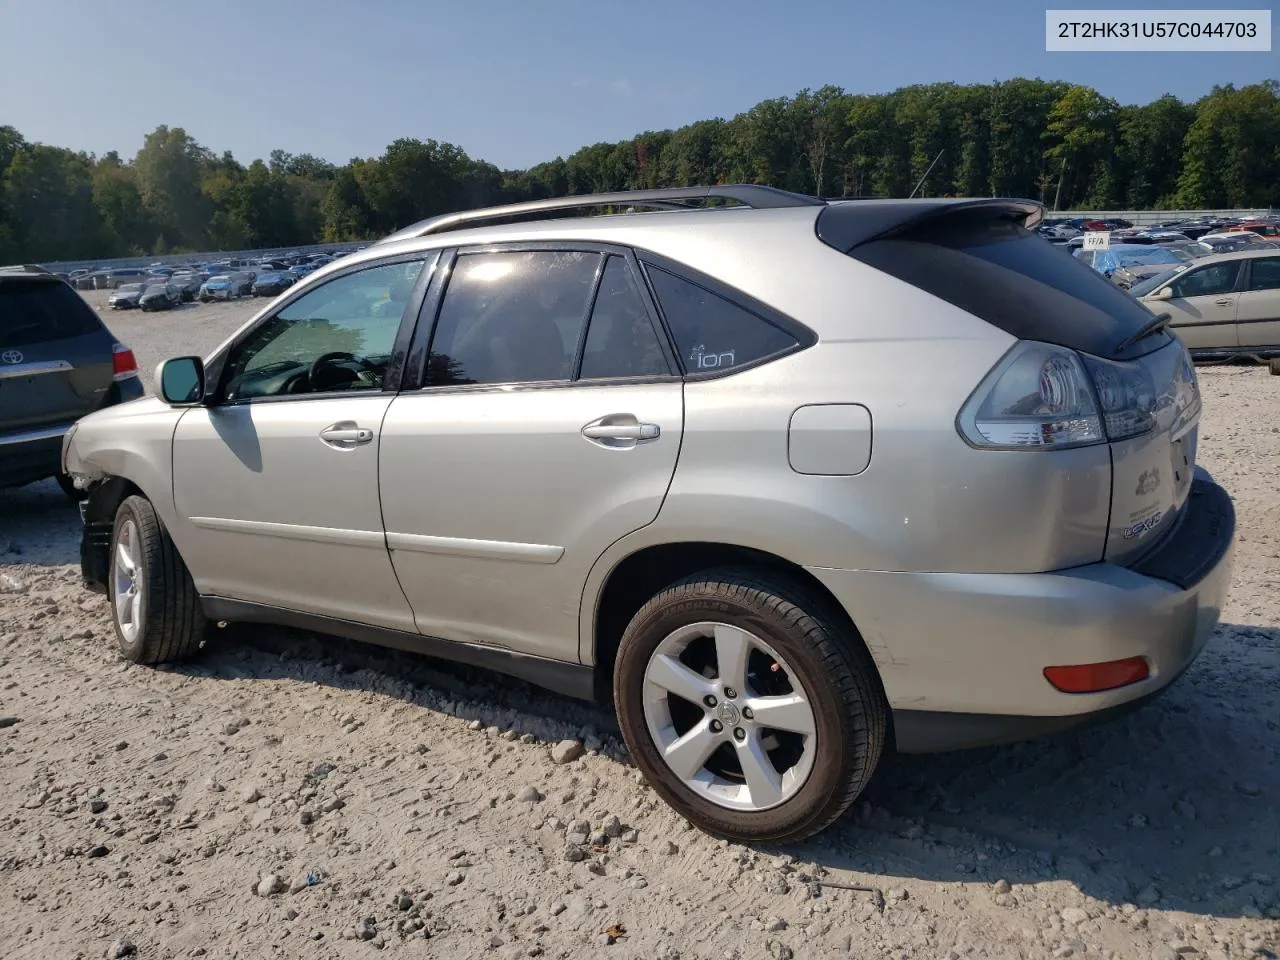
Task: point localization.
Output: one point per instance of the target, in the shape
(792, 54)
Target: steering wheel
(327, 358)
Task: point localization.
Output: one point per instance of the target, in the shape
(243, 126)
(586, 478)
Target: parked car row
(114, 277)
(167, 292)
(1073, 230)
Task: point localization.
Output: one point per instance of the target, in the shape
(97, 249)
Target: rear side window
(511, 318)
(1266, 274)
(621, 341)
(711, 333)
(35, 311)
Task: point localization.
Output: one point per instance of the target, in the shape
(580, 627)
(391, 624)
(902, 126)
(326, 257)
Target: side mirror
(1164, 293)
(181, 381)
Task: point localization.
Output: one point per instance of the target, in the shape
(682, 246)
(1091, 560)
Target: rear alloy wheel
(754, 714)
(155, 609)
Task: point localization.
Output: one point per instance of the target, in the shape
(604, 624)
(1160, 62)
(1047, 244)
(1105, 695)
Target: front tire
(155, 608)
(749, 708)
(1274, 366)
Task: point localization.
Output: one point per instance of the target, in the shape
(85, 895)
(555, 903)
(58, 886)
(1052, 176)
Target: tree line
(1066, 145)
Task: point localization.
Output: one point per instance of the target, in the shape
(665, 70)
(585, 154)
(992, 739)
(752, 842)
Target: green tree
(170, 168)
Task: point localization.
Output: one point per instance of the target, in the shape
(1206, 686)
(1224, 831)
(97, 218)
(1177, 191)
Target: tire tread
(174, 625)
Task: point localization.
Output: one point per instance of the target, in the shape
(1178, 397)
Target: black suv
(57, 363)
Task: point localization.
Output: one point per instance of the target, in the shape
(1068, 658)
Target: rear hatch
(55, 355)
(984, 256)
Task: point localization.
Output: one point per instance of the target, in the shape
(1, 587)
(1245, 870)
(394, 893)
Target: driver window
(1213, 280)
(338, 336)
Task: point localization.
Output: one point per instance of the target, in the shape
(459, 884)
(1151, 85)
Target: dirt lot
(296, 796)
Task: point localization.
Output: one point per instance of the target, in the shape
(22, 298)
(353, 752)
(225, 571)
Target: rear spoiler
(849, 225)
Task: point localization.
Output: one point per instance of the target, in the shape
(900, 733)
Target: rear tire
(1274, 366)
(759, 782)
(155, 608)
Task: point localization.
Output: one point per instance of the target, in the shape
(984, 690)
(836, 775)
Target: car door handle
(1225, 301)
(621, 428)
(346, 434)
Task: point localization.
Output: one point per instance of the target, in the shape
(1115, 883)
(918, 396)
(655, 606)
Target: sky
(515, 83)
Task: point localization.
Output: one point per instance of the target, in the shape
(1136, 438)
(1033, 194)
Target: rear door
(1204, 305)
(55, 355)
(1258, 315)
(547, 427)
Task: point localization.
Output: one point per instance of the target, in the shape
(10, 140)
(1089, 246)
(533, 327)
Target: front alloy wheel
(128, 597)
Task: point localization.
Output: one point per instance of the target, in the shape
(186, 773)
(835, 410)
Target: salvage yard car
(57, 362)
(220, 287)
(126, 297)
(790, 485)
(160, 296)
(1222, 306)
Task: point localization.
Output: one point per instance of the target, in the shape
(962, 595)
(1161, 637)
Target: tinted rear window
(34, 311)
(712, 334)
(1015, 280)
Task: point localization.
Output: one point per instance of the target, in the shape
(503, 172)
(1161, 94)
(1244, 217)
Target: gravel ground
(295, 796)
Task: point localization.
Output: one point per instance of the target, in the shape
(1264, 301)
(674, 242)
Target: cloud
(620, 87)
(580, 83)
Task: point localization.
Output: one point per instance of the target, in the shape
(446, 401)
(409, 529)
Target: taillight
(123, 362)
(1045, 397)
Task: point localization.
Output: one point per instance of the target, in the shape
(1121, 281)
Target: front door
(1203, 307)
(278, 479)
(547, 428)
(1258, 316)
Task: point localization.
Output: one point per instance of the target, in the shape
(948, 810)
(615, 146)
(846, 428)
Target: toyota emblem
(10, 356)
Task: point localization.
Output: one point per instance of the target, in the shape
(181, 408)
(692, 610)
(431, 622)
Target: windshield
(1143, 287)
(1147, 255)
(130, 288)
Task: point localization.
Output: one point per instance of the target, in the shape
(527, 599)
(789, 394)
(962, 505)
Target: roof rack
(755, 196)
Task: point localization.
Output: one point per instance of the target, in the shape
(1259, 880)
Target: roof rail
(755, 196)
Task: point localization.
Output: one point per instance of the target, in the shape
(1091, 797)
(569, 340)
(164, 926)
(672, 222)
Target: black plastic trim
(1198, 542)
(569, 679)
(936, 731)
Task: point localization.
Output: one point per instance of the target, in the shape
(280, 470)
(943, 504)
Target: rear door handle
(620, 430)
(346, 434)
(1225, 301)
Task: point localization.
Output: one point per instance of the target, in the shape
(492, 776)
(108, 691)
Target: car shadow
(38, 525)
(1169, 808)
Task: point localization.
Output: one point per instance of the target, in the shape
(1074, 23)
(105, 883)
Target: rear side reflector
(1096, 677)
(123, 362)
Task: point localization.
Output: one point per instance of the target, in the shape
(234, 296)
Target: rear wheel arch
(642, 574)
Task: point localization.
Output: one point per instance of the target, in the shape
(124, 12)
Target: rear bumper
(30, 455)
(34, 454)
(962, 656)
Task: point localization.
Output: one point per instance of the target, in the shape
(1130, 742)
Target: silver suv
(792, 483)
